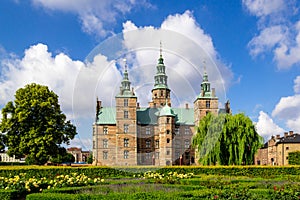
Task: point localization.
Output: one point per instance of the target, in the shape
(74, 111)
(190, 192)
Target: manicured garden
(235, 182)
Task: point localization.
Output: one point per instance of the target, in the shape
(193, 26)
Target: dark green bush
(9, 194)
(294, 158)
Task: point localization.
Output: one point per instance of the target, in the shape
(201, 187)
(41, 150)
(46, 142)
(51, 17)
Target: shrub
(294, 158)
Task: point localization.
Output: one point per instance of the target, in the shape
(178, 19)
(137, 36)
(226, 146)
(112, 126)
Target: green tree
(34, 124)
(90, 159)
(226, 140)
(63, 157)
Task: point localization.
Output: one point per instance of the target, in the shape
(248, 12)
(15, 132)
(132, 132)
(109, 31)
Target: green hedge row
(9, 194)
(106, 172)
(159, 195)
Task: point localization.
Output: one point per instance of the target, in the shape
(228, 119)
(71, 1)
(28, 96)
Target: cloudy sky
(251, 50)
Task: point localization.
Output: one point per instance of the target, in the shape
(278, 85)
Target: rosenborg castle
(160, 135)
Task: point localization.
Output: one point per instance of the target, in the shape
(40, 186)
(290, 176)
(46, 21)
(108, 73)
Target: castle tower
(166, 123)
(160, 92)
(206, 102)
(126, 137)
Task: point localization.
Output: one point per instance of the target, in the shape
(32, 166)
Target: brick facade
(276, 150)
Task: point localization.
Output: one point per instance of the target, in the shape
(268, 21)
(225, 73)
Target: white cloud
(288, 109)
(297, 85)
(96, 16)
(279, 32)
(74, 81)
(264, 7)
(267, 39)
(266, 127)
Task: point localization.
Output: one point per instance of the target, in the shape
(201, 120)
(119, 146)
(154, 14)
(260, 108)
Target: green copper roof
(146, 116)
(107, 115)
(166, 111)
(184, 116)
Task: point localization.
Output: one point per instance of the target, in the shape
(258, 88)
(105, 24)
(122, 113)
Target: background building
(79, 155)
(156, 135)
(277, 149)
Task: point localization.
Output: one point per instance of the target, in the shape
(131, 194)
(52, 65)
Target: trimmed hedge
(9, 194)
(106, 172)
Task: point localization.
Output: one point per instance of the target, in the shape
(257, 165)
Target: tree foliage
(226, 140)
(294, 158)
(90, 159)
(63, 157)
(34, 124)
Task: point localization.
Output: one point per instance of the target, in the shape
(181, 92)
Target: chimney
(277, 136)
(213, 92)
(291, 132)
(186, 106)
(137, 105)
(286, 134)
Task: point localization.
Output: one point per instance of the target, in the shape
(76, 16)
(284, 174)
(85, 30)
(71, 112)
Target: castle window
(94, 130)
(177, 143)
(168, 152)
(126, 142)
(148, 143)
(177, 154)
(105, 155)
(126, 154)
(94, 145)
(125, 102)
(168, 131)
(287, 158)
(287, 148)
(207, 103)
(148, 130)
(187, 130)
(105, 130)
(148, 155)
(156, 155)
(161, 93)
(186, 144)
(126, 114)
(156, 143)
(105, 144)
(177, 131)
(168, 120)
(168, 140)
(126, 127)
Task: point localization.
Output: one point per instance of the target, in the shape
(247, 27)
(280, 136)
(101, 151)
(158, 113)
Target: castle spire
(161, 77)
(125, 89)
(205, 85)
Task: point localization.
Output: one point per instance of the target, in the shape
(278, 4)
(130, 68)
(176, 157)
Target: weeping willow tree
(226, 140)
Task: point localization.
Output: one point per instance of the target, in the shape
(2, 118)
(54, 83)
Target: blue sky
(252, 45)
